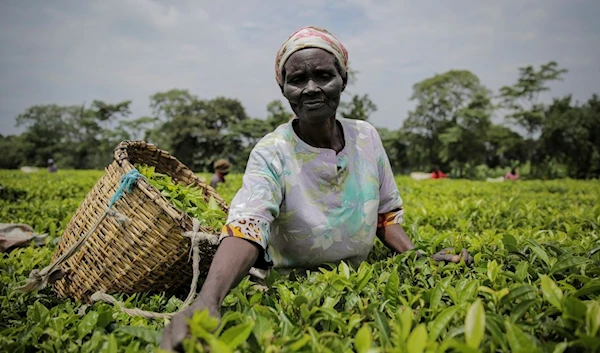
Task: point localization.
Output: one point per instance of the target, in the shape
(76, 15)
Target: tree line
(451, 127)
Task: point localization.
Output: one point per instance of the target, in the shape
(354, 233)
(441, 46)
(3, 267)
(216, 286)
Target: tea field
(534, 285)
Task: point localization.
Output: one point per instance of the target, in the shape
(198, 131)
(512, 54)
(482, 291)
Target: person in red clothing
(437, 173)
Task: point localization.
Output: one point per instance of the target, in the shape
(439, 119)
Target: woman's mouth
(313, 104)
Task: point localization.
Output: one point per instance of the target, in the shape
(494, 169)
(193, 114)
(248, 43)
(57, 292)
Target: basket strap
(39, 279)
(196, 236)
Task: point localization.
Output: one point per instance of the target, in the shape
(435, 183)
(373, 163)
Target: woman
(52, 168)
(221, 168)
(436, 173)
(316, 190)
(512, 175)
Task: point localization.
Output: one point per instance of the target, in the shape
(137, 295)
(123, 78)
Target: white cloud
(70, 52)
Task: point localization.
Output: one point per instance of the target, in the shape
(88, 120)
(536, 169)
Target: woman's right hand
(232, 261)
(447, 255)
(178, 329)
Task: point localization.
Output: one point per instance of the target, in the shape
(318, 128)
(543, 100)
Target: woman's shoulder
(276, 140)
(357, 126)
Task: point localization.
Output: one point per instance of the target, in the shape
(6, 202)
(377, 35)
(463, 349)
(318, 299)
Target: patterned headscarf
(310, 37)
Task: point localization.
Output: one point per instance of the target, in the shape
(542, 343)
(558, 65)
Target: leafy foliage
(534, 286)
(454, 125)
(185, 198)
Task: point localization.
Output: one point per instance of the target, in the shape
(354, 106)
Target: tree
(277, 114)
(522, 98)
(197, 131)
(570, 135)
(94, 141)
(359, 108)
(47, 132)
(396, 147)
(75, 136)
(452, 110)
(167, 105)
(464, 142)
(137, 129)
(11, 156)
(503, 146)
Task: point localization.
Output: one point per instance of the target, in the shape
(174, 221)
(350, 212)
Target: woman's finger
(166, 338)
(467, 258)
(440, 256)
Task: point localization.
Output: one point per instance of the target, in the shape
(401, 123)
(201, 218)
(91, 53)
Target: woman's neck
(322, 135)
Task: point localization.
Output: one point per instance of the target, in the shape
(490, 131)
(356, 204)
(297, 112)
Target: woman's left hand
(448, 255)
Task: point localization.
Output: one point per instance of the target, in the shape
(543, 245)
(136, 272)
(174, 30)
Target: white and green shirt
(306, 206)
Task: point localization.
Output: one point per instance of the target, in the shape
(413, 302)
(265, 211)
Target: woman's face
(312, 84)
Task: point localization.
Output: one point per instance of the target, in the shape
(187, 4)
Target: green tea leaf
(217, 345)
(299, 344)
(143, 333)
(364, 276)
(525, 291)
(475, 324)
(262, 329)
(493, 270)
(592, 318)
(40, 312)
(87, 324)
(518, 341)
(494, 325)
(111, 345)
(391, 288)
(539, 252)
(438, 291)
(469, 291)
(561, 347)
(522, 270)
(568, 263)
(441, 321)
(237, 335)
(551, 292)
(383, 326)
(574, 309)
(406, 320)
(362, 340)
(592, 287)
(417, 340)
(510, 243)
(212, 204)
(521, 308)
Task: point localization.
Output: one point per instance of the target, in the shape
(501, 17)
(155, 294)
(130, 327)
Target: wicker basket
(148, 254)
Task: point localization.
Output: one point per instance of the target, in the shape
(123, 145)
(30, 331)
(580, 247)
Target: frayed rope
(127, 182)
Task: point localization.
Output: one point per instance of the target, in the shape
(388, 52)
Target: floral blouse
(306, 206)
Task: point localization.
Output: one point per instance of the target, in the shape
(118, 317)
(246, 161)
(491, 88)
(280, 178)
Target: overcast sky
(71, 52)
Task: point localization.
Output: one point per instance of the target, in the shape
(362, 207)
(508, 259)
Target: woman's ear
(344, 81)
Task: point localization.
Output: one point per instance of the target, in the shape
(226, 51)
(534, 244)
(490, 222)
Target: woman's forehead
(310, 57)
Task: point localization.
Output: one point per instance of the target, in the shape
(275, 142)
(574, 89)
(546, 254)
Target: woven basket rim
(122, 158)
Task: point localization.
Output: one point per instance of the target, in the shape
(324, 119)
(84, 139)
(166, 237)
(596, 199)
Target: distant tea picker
(317, 190)
(221, 168)
(436, 173)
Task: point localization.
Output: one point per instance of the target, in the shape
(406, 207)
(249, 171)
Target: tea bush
(534, 286)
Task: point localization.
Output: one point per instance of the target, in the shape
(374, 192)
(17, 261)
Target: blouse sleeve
(391, 210)
(257, 203)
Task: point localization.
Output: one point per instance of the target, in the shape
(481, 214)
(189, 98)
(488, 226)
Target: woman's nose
(311, 87)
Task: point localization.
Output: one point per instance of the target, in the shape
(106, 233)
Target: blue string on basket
(127, 183)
